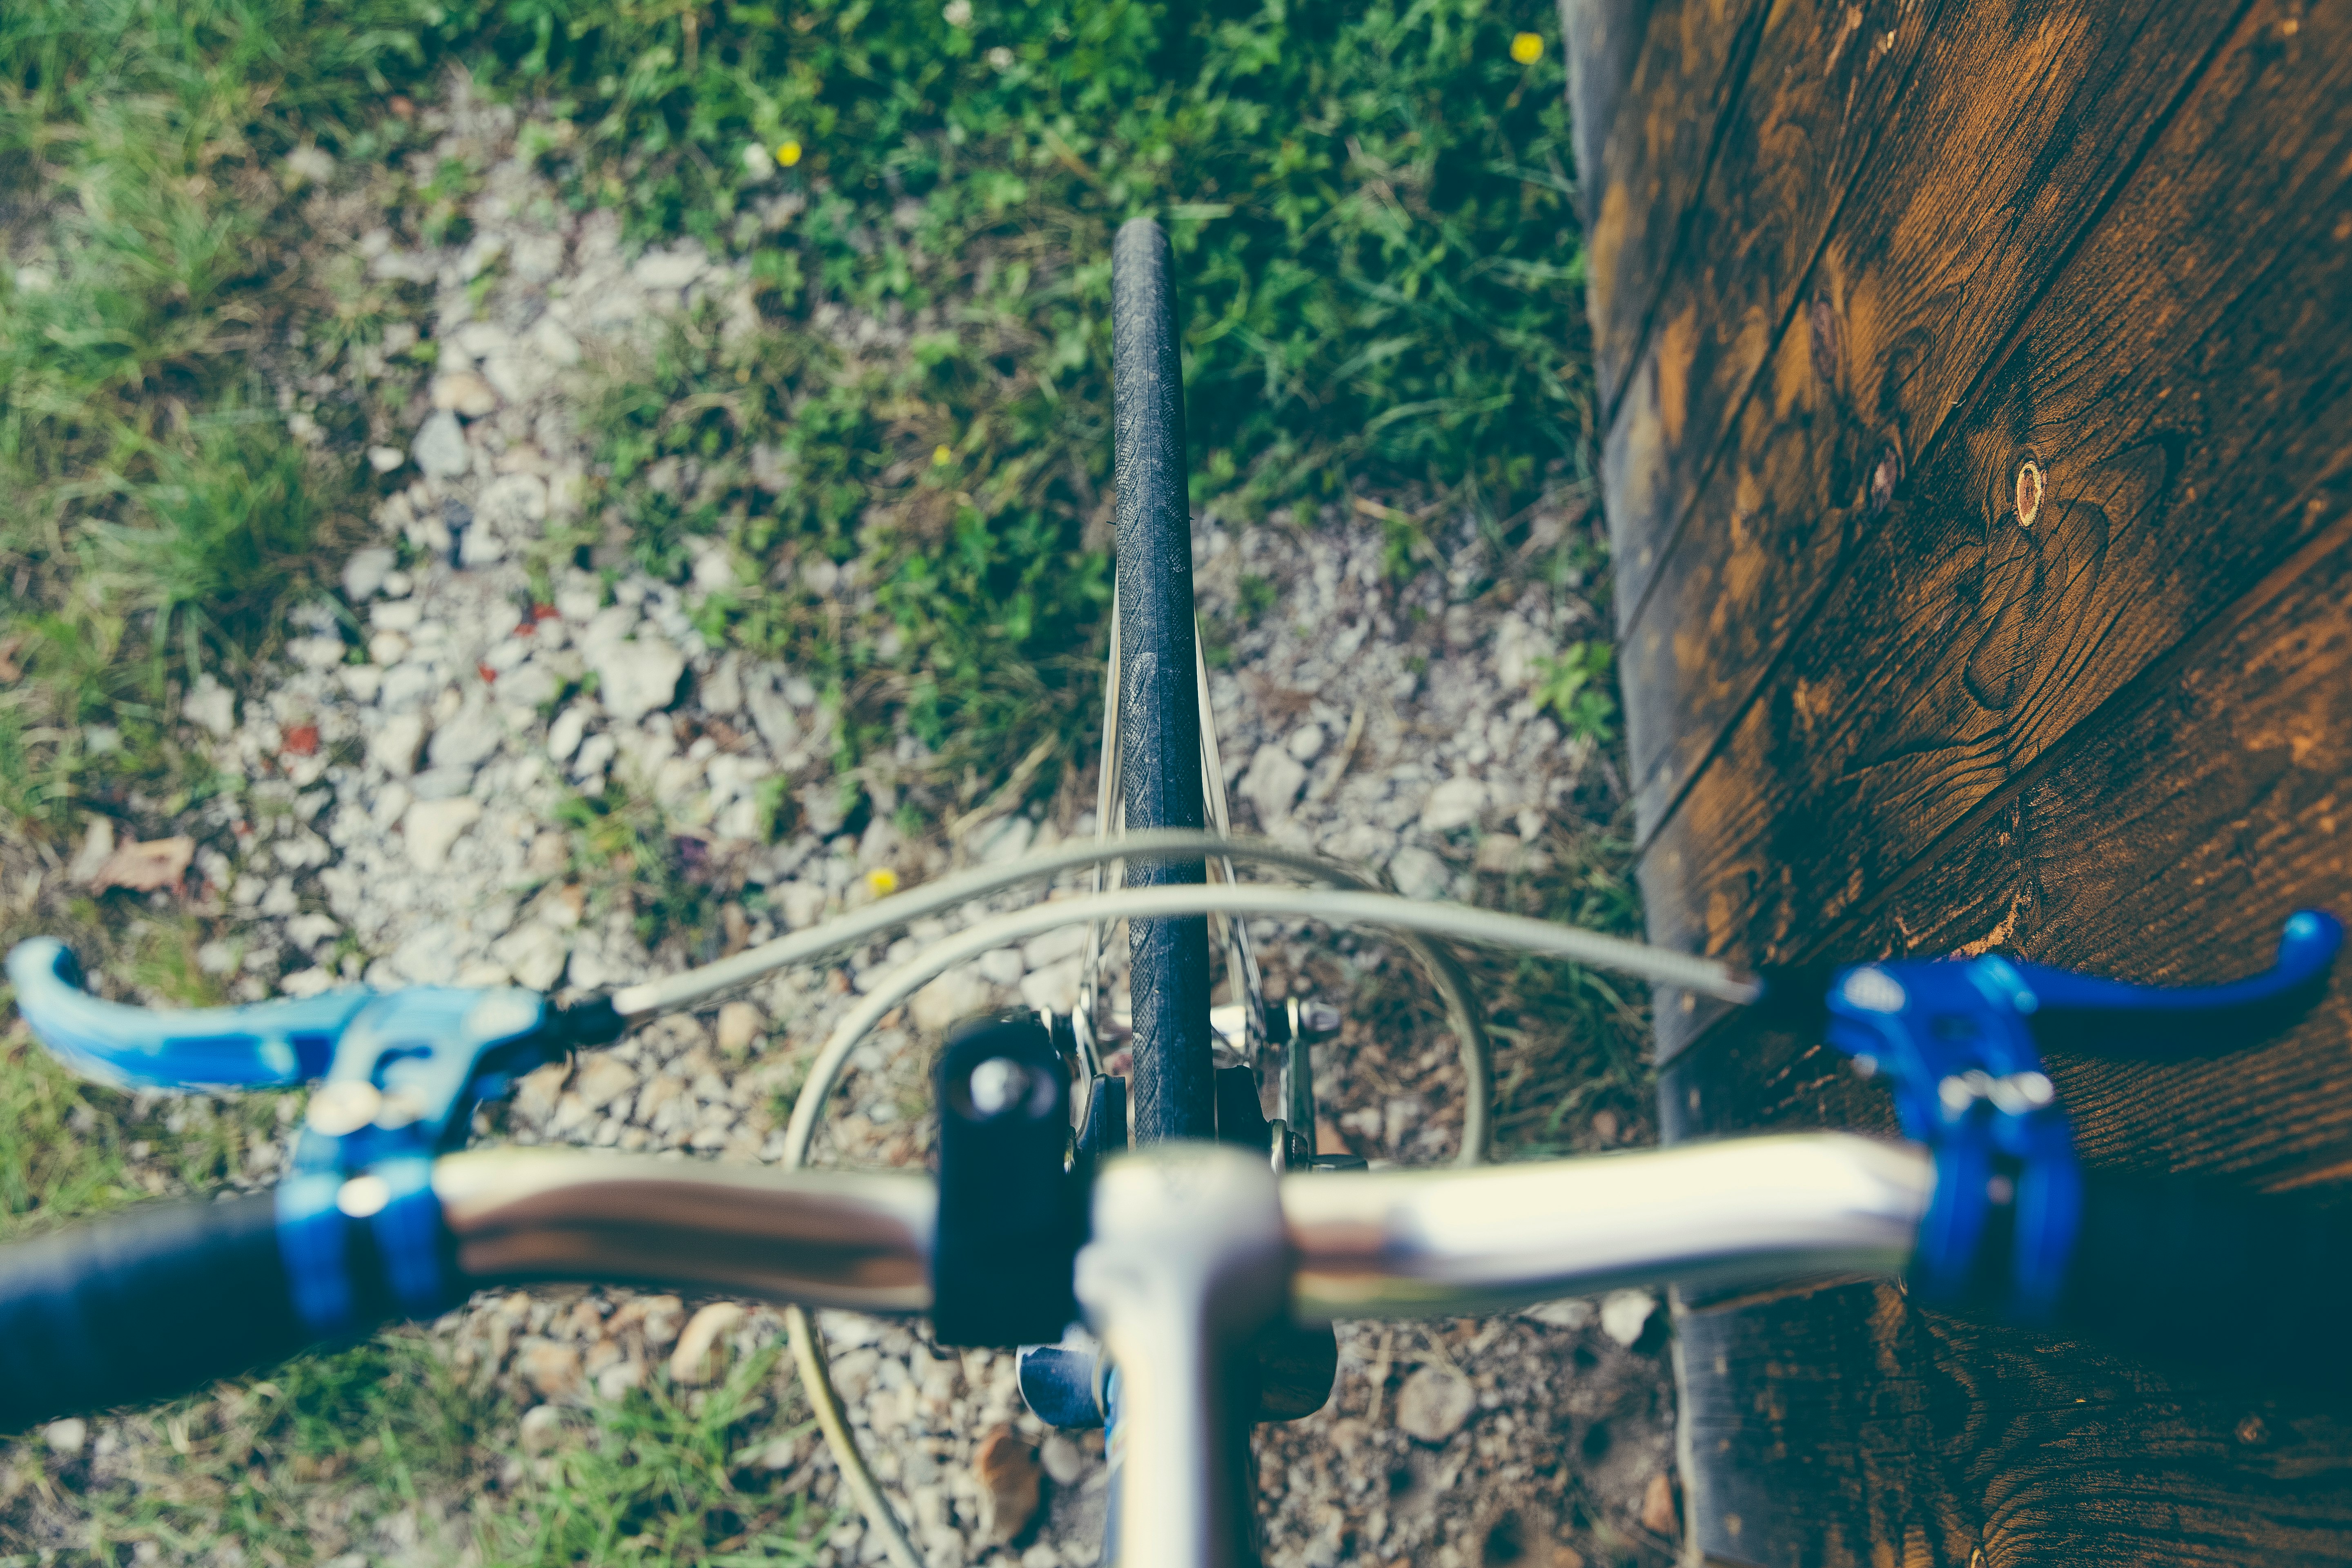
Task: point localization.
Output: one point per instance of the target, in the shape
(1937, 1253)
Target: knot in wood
(1886, 473)
(2029, 492)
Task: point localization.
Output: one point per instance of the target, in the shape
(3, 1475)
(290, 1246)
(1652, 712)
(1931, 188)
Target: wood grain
(1918, 283)
(1826, 76)
(1948, 1439)
(2167, 841)
(1653, 164)
(2184, 388)
(2105, 721)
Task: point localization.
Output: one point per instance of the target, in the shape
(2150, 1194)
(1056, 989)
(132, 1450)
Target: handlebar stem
(1188, 1262)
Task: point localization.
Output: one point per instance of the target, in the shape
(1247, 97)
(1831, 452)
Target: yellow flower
(883, 880)
(1527, 48)
(788, 152)
(941, 454)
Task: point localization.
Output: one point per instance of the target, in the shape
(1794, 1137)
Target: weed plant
(668, 1474)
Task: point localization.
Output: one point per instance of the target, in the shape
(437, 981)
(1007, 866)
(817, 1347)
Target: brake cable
(1419, 919)
(632, 1003)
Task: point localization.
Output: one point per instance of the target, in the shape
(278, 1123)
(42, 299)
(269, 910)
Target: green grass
(1573, 686)
(1379, 271)
(160, 514)
(1376, 254)
(662, 1477)
(1571, 1042)
(667, 1476)
(250, 1465)
(1372, 207)
(627, 860)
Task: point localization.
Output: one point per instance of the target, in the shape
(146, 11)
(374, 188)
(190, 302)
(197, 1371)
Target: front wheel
(1171, 1089)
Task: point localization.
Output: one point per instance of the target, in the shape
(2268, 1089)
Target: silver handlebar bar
(1393, 1244)
(1379, 1243)
(819, 1238)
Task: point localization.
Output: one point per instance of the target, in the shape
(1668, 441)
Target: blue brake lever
(1959, 1039)
(2086, 1012)
(267, 1045)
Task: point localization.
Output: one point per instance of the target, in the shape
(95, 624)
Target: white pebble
(1625, 1313)
(433, 826)
(564, 735)
(440, 448)
(636, 678)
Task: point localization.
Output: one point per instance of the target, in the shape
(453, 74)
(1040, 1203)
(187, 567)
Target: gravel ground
(396, 825)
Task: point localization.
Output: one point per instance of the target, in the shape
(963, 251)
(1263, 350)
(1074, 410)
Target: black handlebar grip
(2190, 1271)
(143, 1305)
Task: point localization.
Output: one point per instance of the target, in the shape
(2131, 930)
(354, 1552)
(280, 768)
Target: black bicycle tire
(1171, 1090)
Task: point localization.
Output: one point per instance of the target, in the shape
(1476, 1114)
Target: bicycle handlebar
(1191, 1249)
(164, 1298)
(857, 1240)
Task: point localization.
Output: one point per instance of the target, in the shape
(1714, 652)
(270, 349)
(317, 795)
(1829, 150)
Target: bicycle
(1206, 1260)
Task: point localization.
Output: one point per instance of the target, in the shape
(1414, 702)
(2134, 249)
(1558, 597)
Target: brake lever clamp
(1952, 1038)
(1957, 1039)
(407, 1073)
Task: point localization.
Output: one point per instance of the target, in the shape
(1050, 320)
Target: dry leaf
(144, 868)
(1658, 1505)
(1007, 1471)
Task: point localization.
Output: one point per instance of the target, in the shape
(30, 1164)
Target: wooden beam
(1858, 1430)
(2166, 840)
(2182, 397)
(1602, 39)
(1826, 79)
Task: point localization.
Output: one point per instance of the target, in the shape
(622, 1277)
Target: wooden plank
(1860, 1430)
(1826, 78)
(1739, 1431)
(2167, 841)
(2185, 391)
(1653, 165)
(1602, 38)
(1925, 275)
